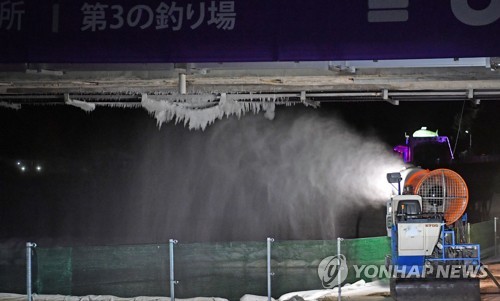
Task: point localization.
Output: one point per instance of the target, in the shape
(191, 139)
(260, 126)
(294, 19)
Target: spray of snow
(198, 113)
(301, 176)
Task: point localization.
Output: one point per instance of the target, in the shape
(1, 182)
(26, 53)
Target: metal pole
(269, 273)
(29, 250)
(172, 242)
(399, 186)
(182, 83)
(495, 222)
(468, 233)
(339, 279)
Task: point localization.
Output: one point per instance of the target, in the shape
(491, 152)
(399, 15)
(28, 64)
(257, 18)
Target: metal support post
(269, 273)
(182, 83)
(468, 233)
(29, 251)
(173, 282)
(495, 221)
(339, 278)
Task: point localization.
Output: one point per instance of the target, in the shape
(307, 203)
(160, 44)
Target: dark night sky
(91, 163)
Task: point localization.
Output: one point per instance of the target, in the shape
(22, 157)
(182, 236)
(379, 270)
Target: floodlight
(394, 177)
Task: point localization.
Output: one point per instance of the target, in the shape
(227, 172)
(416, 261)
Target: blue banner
(112, 31)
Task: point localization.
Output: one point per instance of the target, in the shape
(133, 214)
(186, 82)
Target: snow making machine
(427, 263)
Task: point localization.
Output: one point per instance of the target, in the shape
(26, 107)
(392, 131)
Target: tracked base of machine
(442, 289)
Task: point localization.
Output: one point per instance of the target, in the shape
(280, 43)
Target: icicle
(269, 108)
(123, 105)
(86, 106)
(199, 111)
(13, 106)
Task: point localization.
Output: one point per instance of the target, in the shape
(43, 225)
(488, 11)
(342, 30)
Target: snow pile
(199, 114)
(357, 289)
(249, 297)
(17, 297)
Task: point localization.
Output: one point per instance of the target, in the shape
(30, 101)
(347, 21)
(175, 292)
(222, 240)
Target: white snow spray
(300, 176)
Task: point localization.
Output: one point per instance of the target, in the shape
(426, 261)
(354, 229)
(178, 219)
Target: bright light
(38, 168)
(18, 163)
(23, 168)
(466, 131)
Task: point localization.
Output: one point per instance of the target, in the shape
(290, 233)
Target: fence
(13, 268)
(227, 270)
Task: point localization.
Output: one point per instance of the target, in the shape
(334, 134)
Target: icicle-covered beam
(262, 97)
(132, 105)
(195, 111)
(186, 98)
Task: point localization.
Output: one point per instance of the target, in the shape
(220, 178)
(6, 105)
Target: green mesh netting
(216, 269)
(484, 234)
(54, 271)
(13, 268)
